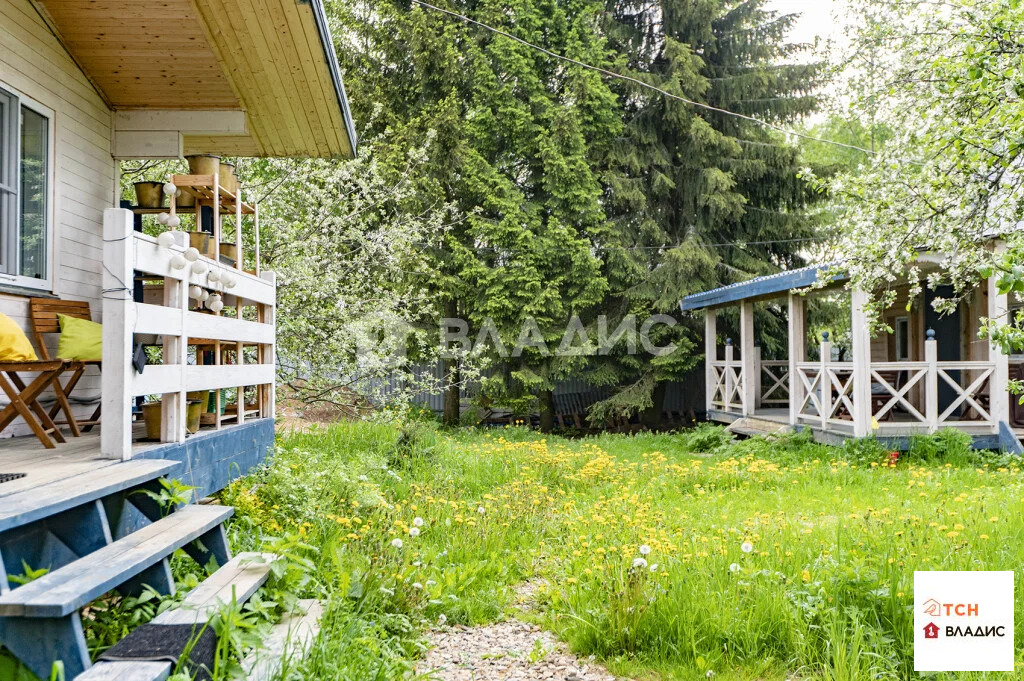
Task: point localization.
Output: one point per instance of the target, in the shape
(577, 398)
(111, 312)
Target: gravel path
(505, 651)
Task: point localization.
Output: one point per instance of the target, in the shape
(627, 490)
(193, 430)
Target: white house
(84, 85)
(931, 372)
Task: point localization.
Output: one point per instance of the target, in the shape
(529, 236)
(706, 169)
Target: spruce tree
(699, 198)
(514, 134)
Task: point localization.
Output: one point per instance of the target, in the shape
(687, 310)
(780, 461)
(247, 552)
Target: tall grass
(768, 558)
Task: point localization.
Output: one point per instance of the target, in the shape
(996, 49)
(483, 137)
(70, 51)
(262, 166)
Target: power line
(613, 74)
(738, 244)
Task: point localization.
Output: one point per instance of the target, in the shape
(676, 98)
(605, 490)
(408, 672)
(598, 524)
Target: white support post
(270, 354)
(999, 381)
(173, 406)
(931, 397)
(797, 353)
(730, 381)
(861, 356)
(824, 382)
(239, 259)
(757, 377)
(118, 322)
(710, 355)
(747, 356)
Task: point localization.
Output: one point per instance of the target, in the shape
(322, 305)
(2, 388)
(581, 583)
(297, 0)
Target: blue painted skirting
(212, 459)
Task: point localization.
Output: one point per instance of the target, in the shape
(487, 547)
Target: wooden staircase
(95, 532)
(752, 426)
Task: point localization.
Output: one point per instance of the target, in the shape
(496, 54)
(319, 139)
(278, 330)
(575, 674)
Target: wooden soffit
(272, 59)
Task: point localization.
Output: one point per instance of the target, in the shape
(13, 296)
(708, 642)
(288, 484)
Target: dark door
(947, 337)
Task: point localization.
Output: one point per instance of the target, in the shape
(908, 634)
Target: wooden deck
(41, 465)
(838, 432)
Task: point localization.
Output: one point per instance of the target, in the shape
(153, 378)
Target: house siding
(33, 62)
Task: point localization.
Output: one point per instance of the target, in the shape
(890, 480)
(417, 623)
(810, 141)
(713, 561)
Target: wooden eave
(272, 59)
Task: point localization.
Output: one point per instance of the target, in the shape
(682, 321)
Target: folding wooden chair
(24, 399)
(43, 314)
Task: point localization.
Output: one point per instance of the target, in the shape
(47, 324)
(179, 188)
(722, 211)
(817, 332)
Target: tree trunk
(547, 411)
(452, 391)
(651, 417)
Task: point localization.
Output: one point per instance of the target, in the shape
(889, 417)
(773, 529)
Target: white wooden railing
(126, 322)
(905, 395)
(774, 382)
(728, 390)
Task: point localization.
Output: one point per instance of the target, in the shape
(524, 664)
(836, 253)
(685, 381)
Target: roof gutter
(320, 15)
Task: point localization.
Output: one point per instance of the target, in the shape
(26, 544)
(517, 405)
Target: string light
(165, 239)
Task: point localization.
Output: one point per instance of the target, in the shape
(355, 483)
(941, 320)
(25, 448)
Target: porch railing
(906, 396)
(245, 338)
(728, 390)
(774, 386)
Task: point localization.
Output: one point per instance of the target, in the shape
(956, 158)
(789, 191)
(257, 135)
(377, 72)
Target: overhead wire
(637, 81)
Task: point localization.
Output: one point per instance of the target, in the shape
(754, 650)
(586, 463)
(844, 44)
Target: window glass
(34, 193)
(902, 338)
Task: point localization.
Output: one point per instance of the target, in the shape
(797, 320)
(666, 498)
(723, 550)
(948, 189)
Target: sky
(816, 18)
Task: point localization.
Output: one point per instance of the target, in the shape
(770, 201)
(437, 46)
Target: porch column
(747, 363)
(710, 355)
(861, 356)
(797, 353)
(999, 398)
(118, 323)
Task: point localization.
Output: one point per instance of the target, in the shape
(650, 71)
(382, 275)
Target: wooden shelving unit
(208, 192)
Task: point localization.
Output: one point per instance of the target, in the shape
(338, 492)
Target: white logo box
(963, 621)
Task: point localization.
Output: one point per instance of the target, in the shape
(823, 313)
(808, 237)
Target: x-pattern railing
(898, 396)
(969, 395)
(810, 378)
(728, 391)
(841, 381)
(776, 389)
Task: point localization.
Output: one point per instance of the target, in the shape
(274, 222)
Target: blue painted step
(47, 500)
(66, 590)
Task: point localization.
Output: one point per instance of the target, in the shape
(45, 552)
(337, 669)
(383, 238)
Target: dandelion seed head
(645, 549)
(396, 542)
(639, 563)
(735, 567)
(746, 547)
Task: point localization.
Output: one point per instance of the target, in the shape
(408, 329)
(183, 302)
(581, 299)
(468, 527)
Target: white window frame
(22, 100)
(901, 327)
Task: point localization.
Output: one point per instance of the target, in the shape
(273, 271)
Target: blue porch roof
(759, 287)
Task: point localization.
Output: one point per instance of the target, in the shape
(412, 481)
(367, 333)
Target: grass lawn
(667, 556)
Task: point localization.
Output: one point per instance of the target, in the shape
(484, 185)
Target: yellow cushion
(79, 339)
(14, 344)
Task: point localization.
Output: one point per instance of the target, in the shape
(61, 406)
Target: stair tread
(240, 577)
(135, 670)
(293, 636)
(756, 426)
(40, 502)
(67, 589)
